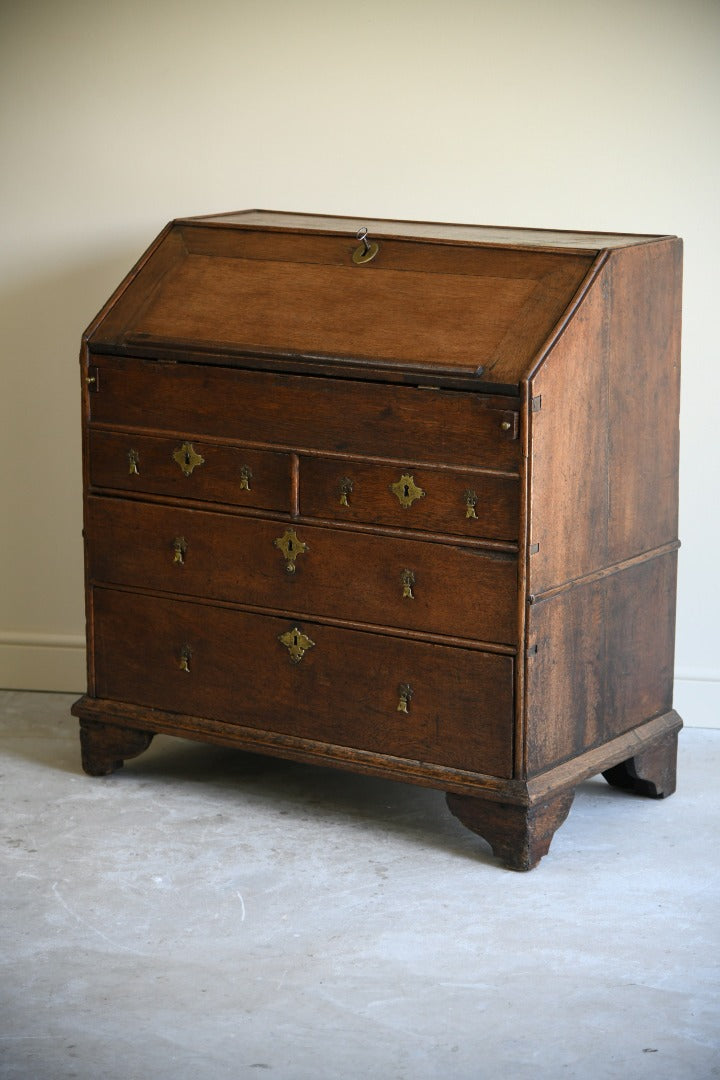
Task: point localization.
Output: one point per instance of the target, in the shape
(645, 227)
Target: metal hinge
(93, 380)
(536, 404)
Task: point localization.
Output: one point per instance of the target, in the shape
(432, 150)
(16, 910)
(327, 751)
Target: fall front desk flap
(406, 301)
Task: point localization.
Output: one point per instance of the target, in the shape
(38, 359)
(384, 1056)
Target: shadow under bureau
(403, 503)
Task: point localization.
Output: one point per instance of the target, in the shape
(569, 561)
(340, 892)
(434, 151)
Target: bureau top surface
(448, 304)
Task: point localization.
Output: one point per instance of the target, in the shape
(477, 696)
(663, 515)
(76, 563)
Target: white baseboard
(57, 662)
(697, 697)
(42, 662)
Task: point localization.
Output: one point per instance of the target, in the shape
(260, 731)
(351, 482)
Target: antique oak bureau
(394, 497)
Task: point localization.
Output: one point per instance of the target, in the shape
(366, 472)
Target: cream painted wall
(117, 116)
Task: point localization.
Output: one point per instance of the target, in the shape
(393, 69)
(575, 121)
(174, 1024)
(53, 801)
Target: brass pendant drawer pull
(245, 477)
(346, 486)
(291, 546)
(406, 692)
(470, 504)
(180, 547)
(133, 461)
(407, 579)
(187, 458)
(406, 490)
(297, 643)
(184, 659)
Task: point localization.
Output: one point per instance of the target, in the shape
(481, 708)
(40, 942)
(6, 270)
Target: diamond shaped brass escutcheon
(296, 642)
(291, 546)
(407, 490)
(187, 458)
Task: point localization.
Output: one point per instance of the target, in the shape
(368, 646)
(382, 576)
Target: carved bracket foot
(105, 747)
(518, 835)
(651, 772)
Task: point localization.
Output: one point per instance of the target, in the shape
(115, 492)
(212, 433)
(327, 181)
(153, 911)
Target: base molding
(518, 818)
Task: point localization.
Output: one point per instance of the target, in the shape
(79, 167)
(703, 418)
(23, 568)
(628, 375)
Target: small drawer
(191, 469)
(452, 590)
(415, 497)
(430, 703)
(295, 412)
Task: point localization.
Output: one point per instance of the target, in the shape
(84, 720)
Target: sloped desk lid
(444, 304)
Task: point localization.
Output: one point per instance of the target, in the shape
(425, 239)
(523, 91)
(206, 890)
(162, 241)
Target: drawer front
(190, 469)
(299, 412)
(414, 497)
(447, 706)
(387, 581)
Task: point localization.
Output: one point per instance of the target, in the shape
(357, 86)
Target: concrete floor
(206, 913)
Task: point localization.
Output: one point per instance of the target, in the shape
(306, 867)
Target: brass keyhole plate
(291, 546)
(187, 458)
(296, 642)
(406, 490)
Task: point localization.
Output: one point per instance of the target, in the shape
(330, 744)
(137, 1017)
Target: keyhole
(407, 491)
(295, 639)
(289, 545)
(187, 458)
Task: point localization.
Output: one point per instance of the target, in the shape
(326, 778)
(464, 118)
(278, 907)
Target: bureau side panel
(600, 660)
(604, 433)
(645, 287)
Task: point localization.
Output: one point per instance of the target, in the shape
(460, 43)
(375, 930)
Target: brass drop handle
(291, 546)
(405, 691)
(470, 504)
(407, 579)
(187, 458)
(180, 547)
(184, 660)
(346, 486)
(133, 461)
(245, 477)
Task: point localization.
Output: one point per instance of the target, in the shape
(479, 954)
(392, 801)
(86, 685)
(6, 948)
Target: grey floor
(209, 914)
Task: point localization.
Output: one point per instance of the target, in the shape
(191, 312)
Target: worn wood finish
(518, 833)
(600, 660)
(461, 591)
(650, 772)
(354, 491)
(238, 671)
(529, 376)
(144, 464)
(605, 433)
(270, 292)
(306, 414)
(105, 747)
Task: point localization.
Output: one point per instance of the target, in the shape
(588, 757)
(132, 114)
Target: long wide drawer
(299, 412)
(359, 577)
(449, 706)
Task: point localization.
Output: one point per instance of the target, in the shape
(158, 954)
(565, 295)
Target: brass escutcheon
(296, 642)
(405, 691)
(368, 248)
(346, 486)
(184, 659)
(134, 461)
(406, 490)
(245, 477)
(187, 458)
(407, 579)
(179, 549)
(291, 546)
(470, 504)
